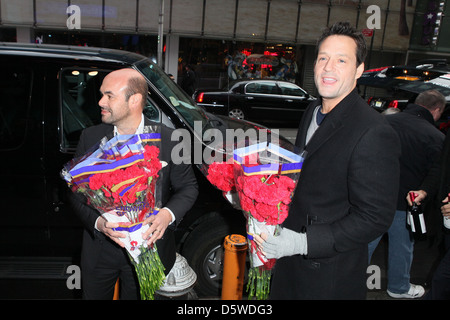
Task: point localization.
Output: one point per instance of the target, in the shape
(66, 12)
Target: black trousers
(100, 272)
(440, 284)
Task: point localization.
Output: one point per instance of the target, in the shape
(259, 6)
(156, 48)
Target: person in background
(434, 192)
(421, 143)
(389, 111)
(188, 81)
(347, 190)
(103, 257)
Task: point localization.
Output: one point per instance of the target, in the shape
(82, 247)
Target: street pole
(160, 33)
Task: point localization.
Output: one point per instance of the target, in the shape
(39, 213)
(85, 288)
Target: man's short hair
(345, 29)
(137, 85)
(431, 99)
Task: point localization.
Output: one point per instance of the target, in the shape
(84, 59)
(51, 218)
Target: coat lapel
(304, 124)
(326, 130)
(333, 122)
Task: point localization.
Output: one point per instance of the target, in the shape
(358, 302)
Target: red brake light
(393, 104)
(200, 97)
(376, 69)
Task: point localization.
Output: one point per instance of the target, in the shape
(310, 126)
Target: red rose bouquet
(119, 179)
(265, 187)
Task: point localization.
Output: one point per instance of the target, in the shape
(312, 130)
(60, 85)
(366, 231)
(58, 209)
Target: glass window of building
(218, 62)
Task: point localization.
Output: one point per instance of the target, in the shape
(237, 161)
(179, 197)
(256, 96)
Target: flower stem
(149, 271)
(258, 285)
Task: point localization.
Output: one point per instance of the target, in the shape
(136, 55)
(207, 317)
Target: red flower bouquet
(119, 179)
(260, 181)
(221, 175)
(265, 188)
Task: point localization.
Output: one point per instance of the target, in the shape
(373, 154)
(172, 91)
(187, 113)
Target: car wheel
(236, 113)
(204, 252)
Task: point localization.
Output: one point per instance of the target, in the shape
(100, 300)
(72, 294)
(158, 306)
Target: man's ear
(135, 100)
(359, 70)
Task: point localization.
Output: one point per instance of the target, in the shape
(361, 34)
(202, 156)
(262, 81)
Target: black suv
(49, 94)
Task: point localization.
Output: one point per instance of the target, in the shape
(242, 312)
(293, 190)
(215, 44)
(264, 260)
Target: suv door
(23, 184)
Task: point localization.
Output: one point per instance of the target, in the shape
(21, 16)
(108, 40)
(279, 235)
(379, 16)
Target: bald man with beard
(104, 259)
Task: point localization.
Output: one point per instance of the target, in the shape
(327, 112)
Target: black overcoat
(345, 198)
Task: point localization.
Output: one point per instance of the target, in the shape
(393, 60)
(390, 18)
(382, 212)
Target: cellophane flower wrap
(258, 178)
(119, 178)
(266, 176)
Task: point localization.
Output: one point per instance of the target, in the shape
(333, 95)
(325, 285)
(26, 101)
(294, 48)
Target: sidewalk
(425, 260)
(52, 284)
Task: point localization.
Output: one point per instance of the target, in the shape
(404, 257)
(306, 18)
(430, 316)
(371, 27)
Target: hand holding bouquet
(263, 176)
(265, 187)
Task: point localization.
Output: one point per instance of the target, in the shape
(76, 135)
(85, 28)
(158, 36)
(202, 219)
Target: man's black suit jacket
(179, 192)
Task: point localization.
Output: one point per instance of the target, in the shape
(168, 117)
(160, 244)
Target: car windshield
(184, 105)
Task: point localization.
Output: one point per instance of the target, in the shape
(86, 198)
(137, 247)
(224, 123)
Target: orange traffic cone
(116, 291)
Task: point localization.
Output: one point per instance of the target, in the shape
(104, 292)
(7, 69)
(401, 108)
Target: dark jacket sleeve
(435, 183)
(84, 212)
(179, 183)
(78, 202)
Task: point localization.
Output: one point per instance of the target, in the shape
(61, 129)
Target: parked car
(49, 95)
(398, 99)
(262, 101)
(396, 86)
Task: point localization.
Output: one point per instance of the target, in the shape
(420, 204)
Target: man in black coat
(188, 81)
(104, 259)
(435, 190)
(421, 144)
(347, 190)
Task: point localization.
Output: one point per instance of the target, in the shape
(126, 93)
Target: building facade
(232, 39)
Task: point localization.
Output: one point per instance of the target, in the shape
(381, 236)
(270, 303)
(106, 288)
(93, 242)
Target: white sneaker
(415, 291)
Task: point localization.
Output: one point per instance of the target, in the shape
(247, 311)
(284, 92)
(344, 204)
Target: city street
(260, 61)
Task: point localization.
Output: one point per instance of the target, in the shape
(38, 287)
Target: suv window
(15, 93)
(79, 102)
(182, 103)
(80, 94)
